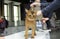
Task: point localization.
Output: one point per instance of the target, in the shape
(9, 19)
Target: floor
(55, 34)
(39, 35)
(13, 30)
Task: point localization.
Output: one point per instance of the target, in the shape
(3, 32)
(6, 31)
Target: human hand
(44, 20)
(39, 13)
(34, 4)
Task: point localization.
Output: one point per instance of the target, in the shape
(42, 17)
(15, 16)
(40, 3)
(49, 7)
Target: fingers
(45, 19)
(32, 5)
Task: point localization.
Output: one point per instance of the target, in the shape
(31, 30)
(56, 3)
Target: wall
(1, 7)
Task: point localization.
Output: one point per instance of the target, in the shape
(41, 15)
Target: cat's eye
(29, 15)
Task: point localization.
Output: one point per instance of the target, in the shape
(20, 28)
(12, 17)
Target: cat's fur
(30, 22)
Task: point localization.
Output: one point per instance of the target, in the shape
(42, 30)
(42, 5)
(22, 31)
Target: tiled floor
(12, 30)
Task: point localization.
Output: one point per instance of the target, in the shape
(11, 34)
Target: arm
(53, 6)
(50, 8)
(45, 4)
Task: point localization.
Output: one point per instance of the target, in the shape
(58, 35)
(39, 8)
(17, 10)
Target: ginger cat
(30, 22)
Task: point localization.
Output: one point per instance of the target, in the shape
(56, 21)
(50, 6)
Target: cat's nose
(32, 12)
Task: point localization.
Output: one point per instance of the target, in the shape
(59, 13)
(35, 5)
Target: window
(6, 11)
(15, 8)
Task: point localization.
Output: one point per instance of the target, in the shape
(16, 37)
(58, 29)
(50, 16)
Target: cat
(30, 22)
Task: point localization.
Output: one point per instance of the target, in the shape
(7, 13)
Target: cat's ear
(26, 10)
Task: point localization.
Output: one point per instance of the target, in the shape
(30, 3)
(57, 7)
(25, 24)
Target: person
(3, 25)
(53, 20)
(1, 20)
(6, 22)
(48, 9)
(41, 4)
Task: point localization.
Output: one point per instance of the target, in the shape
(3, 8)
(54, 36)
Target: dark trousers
(48, 24)
(2, 30)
